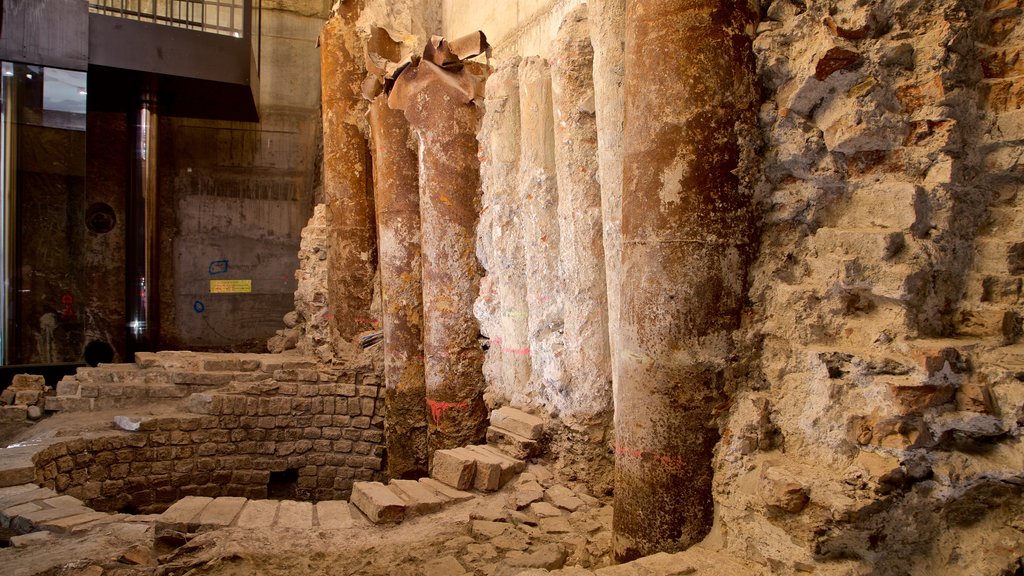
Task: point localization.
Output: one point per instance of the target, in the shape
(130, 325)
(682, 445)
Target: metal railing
(226, 17)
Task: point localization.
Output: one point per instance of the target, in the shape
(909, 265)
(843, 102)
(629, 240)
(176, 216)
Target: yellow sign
(230, 286)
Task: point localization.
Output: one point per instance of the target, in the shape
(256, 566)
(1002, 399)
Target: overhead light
(83, 92)
(28, 75)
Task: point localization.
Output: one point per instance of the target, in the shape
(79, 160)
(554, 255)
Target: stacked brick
(324, 424)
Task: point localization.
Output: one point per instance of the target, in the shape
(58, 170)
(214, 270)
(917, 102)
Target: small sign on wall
(230, 286)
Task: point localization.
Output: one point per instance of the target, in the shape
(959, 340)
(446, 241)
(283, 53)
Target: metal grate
(225, 17)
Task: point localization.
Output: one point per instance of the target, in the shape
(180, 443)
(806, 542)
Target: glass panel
(44, 210)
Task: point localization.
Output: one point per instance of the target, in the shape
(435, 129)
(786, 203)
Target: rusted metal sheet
(690, 102)
(439, 105)
(347, 190)
(396, 195)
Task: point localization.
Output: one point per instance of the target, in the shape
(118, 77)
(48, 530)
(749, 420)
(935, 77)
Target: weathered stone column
(347, 192)
(581, 243)
(439, 105)
(396, 196)
(690, 104)
(499, 166)
(607, 19)
(538, 192)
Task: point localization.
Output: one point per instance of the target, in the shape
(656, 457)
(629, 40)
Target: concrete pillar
(581, 243)
(440, 108)
(538, 191)
(347, 188)
(396, 196)
(506, 265)
(607, 19)
(690, 107)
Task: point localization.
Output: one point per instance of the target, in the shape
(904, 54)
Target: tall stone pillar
(690, 107)
(607, 35)
(439, 104)
(538, 192)
(499, 152)
(347, 190)
(581, 242)
(396, 196)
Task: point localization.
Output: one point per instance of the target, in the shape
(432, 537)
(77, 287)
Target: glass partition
(42, 145)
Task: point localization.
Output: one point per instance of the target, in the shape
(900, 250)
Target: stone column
(347, 190)
(499, 153)
(607, 35)
(538, 192)
(396, 196)
(440, 108)
(690, 107)
(581, 243)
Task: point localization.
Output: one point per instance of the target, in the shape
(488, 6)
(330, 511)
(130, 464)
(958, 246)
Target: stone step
(518, 422)
(511, 443)
(194, 514)
(456, 469)
(28, 508)
(492, 471)
(419, 498)
(378, 502)
(453, 495)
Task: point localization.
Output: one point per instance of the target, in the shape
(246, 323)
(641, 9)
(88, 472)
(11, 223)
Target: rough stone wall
(880, 429)
(324, 424)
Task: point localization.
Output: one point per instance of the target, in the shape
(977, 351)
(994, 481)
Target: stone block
(258, 514)
(292, 515)
(29, 521)
(183, 515)
(333, 514)
(419, 498)
(456, 469)
(452, 494)
(221, 511)
(518, 422)
(912, 396)
(67, 524)
(485, 459)
(377, 502)
(782, 493)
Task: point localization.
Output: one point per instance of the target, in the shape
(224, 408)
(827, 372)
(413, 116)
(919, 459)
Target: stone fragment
(781, 493)
(492, 511)
(563, 497)
(518, 422)
(419, 498)
(454, 468)
(487, 528)
(445, 566)
(512, 444)
(834, 60)
(544, 510)
(377, 502)
(139, 556)
(555, 525)
(527, 493)
(547, 556)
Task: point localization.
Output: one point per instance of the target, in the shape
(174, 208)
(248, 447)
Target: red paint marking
(68, 300)
(497, 341)
(437, 408)
(517, 351)
(663, 459)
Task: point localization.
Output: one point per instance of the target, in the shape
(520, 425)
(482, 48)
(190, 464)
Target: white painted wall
(523, 27)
